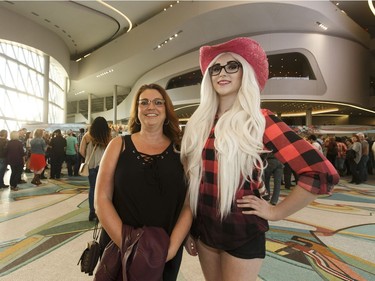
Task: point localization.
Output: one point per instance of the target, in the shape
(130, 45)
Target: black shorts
(254, 249)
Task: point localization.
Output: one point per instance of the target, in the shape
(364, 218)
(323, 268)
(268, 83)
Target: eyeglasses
(230, 67)
(146, 102)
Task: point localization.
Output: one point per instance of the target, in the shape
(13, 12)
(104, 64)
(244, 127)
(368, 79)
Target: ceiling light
(117, 11)
(314, 112)
(81, 92)
(166, 41)
(371, 5)
(322, 26)
(104, 73)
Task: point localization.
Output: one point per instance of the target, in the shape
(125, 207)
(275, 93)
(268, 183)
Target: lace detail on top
(151, 167)
(149, 159)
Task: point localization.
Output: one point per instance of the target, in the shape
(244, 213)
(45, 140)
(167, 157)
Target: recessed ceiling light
(322, 26)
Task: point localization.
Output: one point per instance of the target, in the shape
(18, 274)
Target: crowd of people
(38, 151)
(351, 156)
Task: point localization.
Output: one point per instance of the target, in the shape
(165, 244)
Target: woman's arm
(83, 145)
(295, 201)
(108, 216)
(181, 229)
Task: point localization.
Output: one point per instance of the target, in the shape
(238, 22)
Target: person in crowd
(38, 149)
(362, 165)
(370, 163)
(341, 156)
(223, 149)
(313, 140)
(3, 164)
(24, 136)
(332, 150)
(57, 154)
(349, 145)
(288, 172)
(15, 156)
(141, 179)
(274, 169)
(319, 139)
(79, 159)
(325, 146)
(28, 138)
(71, 153)
(92, 147)
(46, 137)
(357, 147)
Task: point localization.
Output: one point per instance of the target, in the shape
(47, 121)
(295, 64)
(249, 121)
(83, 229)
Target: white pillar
(66, 99)
(309, 117)
(115, 104)
(46, 90)
(89, 98)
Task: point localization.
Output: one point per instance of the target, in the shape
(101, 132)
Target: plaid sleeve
(315, 173)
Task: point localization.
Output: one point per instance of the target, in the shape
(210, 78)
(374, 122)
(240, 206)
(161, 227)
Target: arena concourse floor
(44, 229)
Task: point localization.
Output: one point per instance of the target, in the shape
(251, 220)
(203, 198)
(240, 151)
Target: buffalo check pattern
(316, 174)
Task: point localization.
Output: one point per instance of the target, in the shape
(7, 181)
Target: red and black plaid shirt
(315, 174)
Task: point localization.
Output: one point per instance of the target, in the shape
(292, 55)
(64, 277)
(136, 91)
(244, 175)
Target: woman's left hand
(253, 205)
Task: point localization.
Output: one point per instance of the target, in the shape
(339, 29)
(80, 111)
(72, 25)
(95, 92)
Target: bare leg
(236, 269)
(209, 259)
(218, 265)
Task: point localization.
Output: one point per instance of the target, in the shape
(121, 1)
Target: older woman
(141, 179)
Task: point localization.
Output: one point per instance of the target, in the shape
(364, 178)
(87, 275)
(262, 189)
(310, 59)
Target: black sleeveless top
(149, 190)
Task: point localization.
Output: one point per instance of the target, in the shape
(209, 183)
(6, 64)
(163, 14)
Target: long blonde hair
(238, 138)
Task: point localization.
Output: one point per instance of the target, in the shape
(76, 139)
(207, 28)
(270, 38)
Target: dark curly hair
(171, 127)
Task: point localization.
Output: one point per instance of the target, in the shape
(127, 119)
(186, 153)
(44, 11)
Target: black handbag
(91, 254)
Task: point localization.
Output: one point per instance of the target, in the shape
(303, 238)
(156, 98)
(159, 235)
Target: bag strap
(92, 153)
(96, 233)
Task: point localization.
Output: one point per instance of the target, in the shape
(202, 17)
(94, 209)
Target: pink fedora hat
(249, 49)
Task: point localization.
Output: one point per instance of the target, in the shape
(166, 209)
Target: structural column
(105, 104)
(309, 117)
(65, 99)
(46, 90)
(115, 104)
(89, 98)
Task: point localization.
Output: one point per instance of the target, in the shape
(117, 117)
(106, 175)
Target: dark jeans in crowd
(93, 173)
(15, 175)
(56, 165)
(362, 168)
(3, 168)
(275, 169)
(354, 171)
(71, 163)
(79, 160)
(288, 176)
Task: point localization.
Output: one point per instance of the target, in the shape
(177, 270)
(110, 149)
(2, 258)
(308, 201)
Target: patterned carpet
(43, 231)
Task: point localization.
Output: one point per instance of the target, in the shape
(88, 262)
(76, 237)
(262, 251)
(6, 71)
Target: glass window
(184, 80)
(22, 87)
(290, 66)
